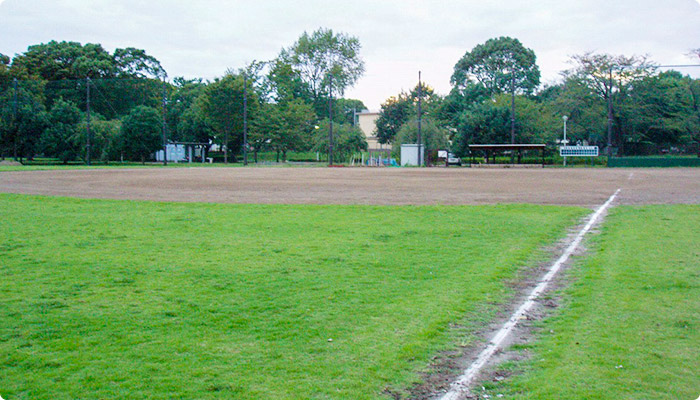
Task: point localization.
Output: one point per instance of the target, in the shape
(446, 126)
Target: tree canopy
(322, 54)
(499, 64)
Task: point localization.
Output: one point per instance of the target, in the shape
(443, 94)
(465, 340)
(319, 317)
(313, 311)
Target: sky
(205, 38)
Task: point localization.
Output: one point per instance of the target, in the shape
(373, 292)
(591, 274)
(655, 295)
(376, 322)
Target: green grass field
(631, 328)
(123, 299)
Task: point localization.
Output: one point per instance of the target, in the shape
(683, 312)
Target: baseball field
(345, 283)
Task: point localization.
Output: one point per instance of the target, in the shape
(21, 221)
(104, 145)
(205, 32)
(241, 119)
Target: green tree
(183, 95)
(222, 103)
(60, 138)
(661, 114)
(284, 127)
(610, 78)
(317, 56)
(64, 60)
(23, 119)
(500, 65)
(194, 126)
(583, 107)
(141, 133)
(345, 110)
(286, 83)
(432, 135)
(105, 142)
(5, 78)
(347, 140)
(136, 63)
(397, 110)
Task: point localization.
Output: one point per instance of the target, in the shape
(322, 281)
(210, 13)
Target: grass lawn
(122, 299)
(631, 329)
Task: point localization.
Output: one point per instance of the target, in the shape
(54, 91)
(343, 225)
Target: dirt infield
(583, 187)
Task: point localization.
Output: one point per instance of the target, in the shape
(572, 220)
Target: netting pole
(245, 119)
(87, 108)
(610, 113)
(330, 119)
(420, 117)
(512, 113)
(165, 143)
(14, 117)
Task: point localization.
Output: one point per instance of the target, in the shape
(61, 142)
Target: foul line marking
(461, 386)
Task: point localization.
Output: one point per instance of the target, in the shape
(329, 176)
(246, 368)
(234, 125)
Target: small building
(367, 122)
(183, 152)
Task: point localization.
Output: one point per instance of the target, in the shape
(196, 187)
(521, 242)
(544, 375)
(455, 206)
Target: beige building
(367, 120)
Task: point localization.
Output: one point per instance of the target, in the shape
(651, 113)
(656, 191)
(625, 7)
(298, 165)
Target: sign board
(578, 151)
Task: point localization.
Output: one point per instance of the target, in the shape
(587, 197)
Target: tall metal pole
(227, 127)
(420, 116)
(14, 118)
(512, 107)
(610, 113)
(245, 119)
(330, 119)
(165, 140)
(87, 147)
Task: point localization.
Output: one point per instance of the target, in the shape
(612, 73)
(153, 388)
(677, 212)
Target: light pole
(565, 142)
(330, 119)
(420, 116)
(245, 119)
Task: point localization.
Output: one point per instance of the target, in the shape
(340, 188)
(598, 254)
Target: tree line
(620, 103)
(72, 101)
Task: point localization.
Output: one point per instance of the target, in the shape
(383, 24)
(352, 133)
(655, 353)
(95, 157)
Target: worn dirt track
(582, 187)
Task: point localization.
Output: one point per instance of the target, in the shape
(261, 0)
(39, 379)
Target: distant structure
(367, 120)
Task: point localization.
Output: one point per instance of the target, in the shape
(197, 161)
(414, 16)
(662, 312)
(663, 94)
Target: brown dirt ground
(581, 187)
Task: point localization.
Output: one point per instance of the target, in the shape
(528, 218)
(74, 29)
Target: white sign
(578, 151)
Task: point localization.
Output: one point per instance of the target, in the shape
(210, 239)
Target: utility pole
(227, 127)
(330, 119)
(512, 107)
(610, 114)
(245, 119)
(87, 147)
(14, 117)
(420, 116)
(165, 141)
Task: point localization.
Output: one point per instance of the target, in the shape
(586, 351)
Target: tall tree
(135, 63)
(284, 127)
(64, 60)
(610, 78)
(398, 110)
(23, 118)
(347, 140)
(317, 56)
(499, 64)
(60, 138)
(222, 103)
(141, 133)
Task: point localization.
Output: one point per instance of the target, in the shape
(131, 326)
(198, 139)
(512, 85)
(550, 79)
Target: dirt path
(582, 187)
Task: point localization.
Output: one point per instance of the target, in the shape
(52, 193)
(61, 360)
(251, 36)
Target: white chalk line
(460, 387)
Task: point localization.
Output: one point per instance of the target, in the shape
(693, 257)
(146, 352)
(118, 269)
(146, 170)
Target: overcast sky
(205, 38)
